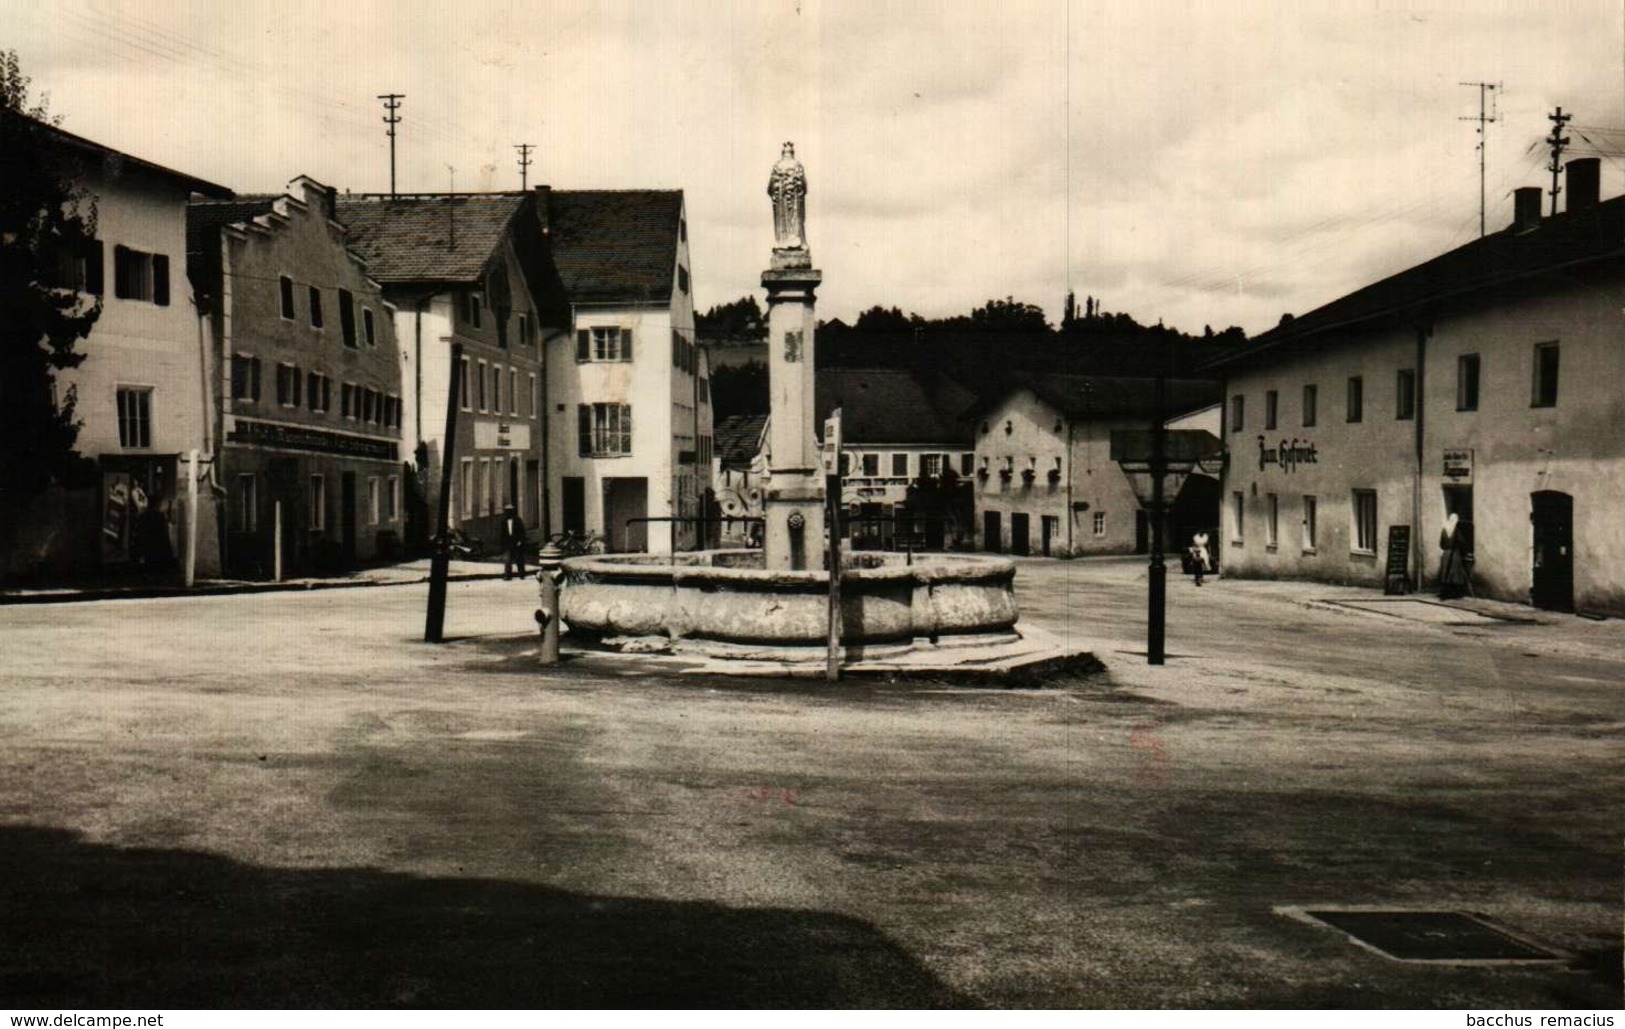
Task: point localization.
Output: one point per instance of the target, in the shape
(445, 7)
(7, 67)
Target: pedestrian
(152, 545)
(1200, 561)
(513, 542)
(1455, 542)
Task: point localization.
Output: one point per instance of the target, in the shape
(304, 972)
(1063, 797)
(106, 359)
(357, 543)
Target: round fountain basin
(727, 595)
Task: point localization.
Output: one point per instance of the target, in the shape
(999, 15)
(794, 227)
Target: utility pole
(1557, 141)
(524, 164)
(392, 103)
(1485, 90)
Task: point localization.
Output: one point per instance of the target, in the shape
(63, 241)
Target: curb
(224, 590)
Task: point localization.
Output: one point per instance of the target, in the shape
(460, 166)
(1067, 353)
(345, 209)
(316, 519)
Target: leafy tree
(738, 389)
(47, 303)
(882, 319)
(738, 319)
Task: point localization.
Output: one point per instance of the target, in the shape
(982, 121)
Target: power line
(524, 164)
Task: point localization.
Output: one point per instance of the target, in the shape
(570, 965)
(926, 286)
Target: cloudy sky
(1198, 162)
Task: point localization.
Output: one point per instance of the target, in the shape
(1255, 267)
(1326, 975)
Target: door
(626, 502)
(992, 532)
(1020, 534)
(1552, 579)
(1049, 526)
(573, 495)
(514, 492)
(347, 520)
(532, 501)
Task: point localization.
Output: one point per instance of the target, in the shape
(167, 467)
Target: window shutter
(626, 427)
(160, 279)
(583, 344)
(94, 281)
(584, 429)
(626, 344)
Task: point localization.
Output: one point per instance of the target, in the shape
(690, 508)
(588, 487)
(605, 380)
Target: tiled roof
(888, 405)
(205, 217)
(738, 440)
(615, 245)
(433, 239)
(117, 161)
(1494, 262)
(1089, 397)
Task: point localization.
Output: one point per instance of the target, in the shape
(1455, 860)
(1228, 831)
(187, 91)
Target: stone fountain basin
(727, 595)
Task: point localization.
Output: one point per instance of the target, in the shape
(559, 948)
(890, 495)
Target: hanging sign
(1458, 467)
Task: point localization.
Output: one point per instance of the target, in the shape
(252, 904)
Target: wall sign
(1458, 467)
(1287, 455)
(299, 437)
(1397, 578)
(490, 435)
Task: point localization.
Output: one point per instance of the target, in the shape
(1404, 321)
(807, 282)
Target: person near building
(513, 542)
(1201, 562)
(1456, 546)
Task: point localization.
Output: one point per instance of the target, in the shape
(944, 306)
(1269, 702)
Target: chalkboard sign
(1397, 579)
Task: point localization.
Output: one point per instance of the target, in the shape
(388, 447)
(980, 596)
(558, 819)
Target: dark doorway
(513, 485)
(347, 520)
(530, 505)
(992, 532)
(626, 501)
(1552, 581)
(1049, 527)
(1195, 509)
(1020, 534)
(573, 495)
(1142, 532)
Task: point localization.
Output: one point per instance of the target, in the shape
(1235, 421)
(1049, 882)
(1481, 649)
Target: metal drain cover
(1441, 936)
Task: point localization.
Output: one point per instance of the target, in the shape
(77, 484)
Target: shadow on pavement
(95, 926)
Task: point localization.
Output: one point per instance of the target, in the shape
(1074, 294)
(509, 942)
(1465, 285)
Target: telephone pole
(392, 103)
(1485, 91)
(1557, 141)
(524, 164)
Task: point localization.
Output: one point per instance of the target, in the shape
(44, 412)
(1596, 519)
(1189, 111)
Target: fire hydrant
(548, 571)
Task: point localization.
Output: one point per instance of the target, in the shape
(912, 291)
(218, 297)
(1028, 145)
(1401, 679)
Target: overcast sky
(1202, 162)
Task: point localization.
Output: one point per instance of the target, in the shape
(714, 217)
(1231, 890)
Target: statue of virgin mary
(787, 185)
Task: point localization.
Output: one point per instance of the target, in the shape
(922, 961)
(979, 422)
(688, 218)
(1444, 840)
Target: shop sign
(1287, 455)
(490, 435)
(1458, 467)
(300, 437)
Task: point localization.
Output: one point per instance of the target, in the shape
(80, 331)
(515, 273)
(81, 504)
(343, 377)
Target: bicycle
(574, 544)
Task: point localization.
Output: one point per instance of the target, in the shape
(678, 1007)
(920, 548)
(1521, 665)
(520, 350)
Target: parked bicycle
(575, 544)
(462, 547)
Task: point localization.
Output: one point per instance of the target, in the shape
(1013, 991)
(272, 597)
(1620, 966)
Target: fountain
(927, 612)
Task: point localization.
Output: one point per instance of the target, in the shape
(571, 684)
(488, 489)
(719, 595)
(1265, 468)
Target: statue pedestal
(794, 500)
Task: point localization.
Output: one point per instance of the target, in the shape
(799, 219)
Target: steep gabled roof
(739, 440)
(115, 162)
(429, 238)
(615, 246)
(1492, 263)
(1092, 397)
(890, 405)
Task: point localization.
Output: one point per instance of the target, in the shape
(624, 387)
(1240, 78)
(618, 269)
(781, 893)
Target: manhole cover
(1447, 936)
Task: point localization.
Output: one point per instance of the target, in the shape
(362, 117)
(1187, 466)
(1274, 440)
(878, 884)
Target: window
(375, 500)
(604, 430)
(315, 307)
(535, 400)
(1237, 500)
(134, 417)
(141, 276)
(967, 464)
(1363, 510)
(1467, 382)
(347, 317)
(493, 468)
(931, 466)
(1272, 520)
(288, 381)
(468, 487)
(1271, 404)
(368, 331)
(1237, 412)
(245, 377)
(319, 392)
(1309, 505)
(285, 285)
(524, 329)
(1100, 523)
(705, 390)
(682, 279)
(77, 266)
(392, 498)
(604, 344)
(243, 498)
(463, 387)
(871, 464)
(367, 403)
(1405, 395)
(318, 502)
(1356, 398)
(1311, 394)
(845, 464)
(479, 386)
(1544, 390)
(513, 391)
(472, 303)
(899, 464)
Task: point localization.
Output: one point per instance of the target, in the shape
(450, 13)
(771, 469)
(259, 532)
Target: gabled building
(1045, 482)
(305, 384)
(629, 406)
(141, 390)
(467, 268)
(1483, 383)
(738, 468)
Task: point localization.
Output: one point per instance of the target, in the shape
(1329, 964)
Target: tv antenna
(1487, 113)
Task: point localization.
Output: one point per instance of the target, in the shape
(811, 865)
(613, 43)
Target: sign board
(490, 435)
(1397, 578)
(830, 452)
(1458, 467)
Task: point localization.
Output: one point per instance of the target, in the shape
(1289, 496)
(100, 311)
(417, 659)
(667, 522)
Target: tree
(50, 272)
(738, 319)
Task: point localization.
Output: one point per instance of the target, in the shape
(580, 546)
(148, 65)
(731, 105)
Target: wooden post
(434, 623)
(832, 495)
(276, 544)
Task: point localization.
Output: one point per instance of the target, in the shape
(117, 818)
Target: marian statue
(787, 185)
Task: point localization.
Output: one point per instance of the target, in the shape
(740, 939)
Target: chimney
(1526, 209)
(544, 197)
(1584, 182)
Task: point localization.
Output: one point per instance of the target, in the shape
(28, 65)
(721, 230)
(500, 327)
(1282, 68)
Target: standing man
(513, 542)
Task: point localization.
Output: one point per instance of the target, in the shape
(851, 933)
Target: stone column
(794, 499)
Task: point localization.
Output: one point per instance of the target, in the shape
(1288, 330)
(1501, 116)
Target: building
(1045, 482)
(738, 468)
(628, 393)
(467, 268)
(141, 395)
(1482, 383)
(305, 385)
(905, 454)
